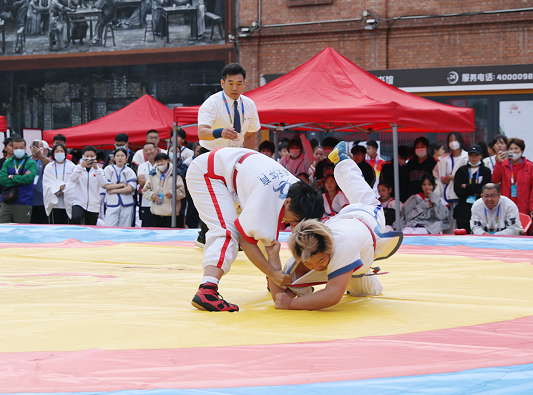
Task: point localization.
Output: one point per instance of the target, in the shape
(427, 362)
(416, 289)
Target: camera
(508, 154)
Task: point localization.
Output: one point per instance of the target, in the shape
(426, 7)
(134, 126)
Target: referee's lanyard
(64, 167)
(229, 112)
(496, 223)
(162, 178)
(514, 189)
(17, 168)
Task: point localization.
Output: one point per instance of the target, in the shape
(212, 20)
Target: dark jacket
(415, 172)
(463, 210)
(387, 176)
(24, 181)
(368, 173)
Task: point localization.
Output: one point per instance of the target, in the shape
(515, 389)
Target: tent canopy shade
(329, 92)
(136, 119)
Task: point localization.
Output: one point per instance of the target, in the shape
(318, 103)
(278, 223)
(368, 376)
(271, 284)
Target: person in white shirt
(388, 203)
(122, 182)
(228, 118)
(185, 152)
(494, 214)
(88, 178)
(144, 170)
(445, 170)
(57, 198)
(497, 145)
(152, 136)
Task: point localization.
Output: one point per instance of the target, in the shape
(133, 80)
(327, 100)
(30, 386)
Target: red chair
(525, 220)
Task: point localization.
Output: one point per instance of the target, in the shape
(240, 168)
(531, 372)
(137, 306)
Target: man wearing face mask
(18, 171)
(515, 175)
(469, 181)
(419, 167)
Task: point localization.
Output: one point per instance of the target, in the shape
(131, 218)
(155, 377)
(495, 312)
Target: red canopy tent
(331, 93)
(135, 120)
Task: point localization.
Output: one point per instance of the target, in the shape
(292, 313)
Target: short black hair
(19, 140)
(330, 142)
(296, 142)
(152, 131)
(403, 151)
(269, 145)
(100, 156)
(303, 174)
(430, 178)
(358, 149)
(8, 140)
(55, 147)
(89, 148)
(436, 145)
(150, 144)
(281, 146)
(233, 69)
(306, 201)
(386, 185)
(484, 148)
(457, 136)
(120, 150)
(161, 156)
(182, 134)
(372, 143)
(422, 140)
(501, 137)
(122, 137)
(60, 137)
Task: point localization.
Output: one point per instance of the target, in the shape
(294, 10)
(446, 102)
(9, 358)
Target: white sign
(516, 120)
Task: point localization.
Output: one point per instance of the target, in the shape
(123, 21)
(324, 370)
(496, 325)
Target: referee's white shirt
(215, 114)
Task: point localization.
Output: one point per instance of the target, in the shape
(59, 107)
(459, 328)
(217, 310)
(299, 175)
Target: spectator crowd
(483, 189)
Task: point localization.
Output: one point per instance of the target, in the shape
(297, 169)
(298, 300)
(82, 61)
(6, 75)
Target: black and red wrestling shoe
(207, 298)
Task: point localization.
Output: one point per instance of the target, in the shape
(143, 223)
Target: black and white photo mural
(37, 27)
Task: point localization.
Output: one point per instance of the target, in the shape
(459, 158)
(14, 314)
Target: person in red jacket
(515, 173)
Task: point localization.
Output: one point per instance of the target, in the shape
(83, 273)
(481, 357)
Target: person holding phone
(515, 173)
(88, 178)
(39, 153)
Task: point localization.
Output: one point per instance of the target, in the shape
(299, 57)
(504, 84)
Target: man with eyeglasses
(494, 214)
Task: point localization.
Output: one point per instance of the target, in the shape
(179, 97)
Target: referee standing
(227, 119)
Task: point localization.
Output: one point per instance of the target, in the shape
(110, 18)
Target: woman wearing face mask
(158, 189)
(469, 181)
(446, 168)
(419, 167)
(425, 212)
(122, 182)
(516, 175)
(57, 197)
(297, 162)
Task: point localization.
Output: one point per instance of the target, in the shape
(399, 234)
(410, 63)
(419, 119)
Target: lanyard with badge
(37, 176)
(496, 223)
(233, 143)
(514, 190)
(162, 178)
(119, 173)
(475, 177)
(64, 167)
(17, 168)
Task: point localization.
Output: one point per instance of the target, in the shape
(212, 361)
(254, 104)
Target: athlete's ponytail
(310, 237)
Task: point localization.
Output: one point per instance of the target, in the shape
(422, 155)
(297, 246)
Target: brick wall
(490, 39)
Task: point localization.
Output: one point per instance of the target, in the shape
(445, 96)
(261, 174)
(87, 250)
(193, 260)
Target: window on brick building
(297, 3)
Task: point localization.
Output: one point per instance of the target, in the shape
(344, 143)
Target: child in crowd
(388, 203)
(122, 182)
(425, 212)
(334, 198)
(318, 154)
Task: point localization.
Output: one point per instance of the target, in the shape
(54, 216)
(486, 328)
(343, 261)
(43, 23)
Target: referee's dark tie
(236, 118)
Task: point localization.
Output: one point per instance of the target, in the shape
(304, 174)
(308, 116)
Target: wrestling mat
(107, 310)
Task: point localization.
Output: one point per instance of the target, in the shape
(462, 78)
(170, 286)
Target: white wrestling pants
(216, 206)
